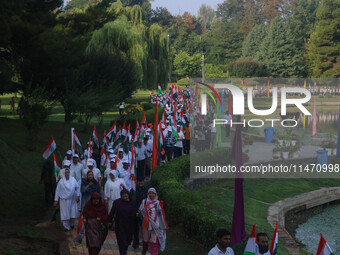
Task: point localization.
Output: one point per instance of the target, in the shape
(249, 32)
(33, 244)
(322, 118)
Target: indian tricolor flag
(95, 136)
(251, 247)
(76, 145)
(56, 166)
(324, 248)
(89, 150)
(133, 168)
(159, 89)
(112, 131)
(160, 135)
(275, 241)
(51, 147)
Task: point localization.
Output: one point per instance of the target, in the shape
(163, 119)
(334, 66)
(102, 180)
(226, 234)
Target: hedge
(184, 208)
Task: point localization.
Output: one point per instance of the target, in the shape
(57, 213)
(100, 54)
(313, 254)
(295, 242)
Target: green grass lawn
(258, 195)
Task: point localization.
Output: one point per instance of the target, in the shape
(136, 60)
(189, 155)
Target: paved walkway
(110, 245)
(262, 152)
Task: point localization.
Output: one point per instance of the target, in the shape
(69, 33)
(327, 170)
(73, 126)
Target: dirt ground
(25, 237)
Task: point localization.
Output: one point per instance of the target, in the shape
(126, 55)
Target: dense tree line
(287, 38)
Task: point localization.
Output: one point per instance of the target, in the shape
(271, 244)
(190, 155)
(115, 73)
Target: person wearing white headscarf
(125, 173)
(154, 224)
(68, 195)
(113, 187)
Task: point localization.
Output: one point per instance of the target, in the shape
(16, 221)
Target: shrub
(184, 208)
(184, 82)
(245, 69)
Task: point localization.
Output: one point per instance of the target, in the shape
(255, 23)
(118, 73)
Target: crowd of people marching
(104, 185)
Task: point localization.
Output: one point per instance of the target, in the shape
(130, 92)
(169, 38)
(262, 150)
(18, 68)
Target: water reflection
(327, 223)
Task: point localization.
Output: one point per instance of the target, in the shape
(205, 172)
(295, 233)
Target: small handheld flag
(50, 148)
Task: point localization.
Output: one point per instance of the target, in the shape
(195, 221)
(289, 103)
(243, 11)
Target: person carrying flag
(47, 176)
(169, 142)
(76, 168)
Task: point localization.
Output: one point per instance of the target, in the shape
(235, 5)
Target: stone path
(110, 245)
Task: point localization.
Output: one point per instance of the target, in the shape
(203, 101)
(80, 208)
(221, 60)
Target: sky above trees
(180, 6)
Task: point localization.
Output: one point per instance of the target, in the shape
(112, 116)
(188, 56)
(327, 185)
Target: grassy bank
(259, 194)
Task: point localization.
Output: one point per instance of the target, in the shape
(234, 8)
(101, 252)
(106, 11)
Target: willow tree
(158, 54)
(145, 47)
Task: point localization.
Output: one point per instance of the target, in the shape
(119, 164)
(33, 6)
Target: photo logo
(238, 102)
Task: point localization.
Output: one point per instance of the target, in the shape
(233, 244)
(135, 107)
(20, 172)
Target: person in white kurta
(113, 187)
(76, 169)
(124, 173)
(66, 165)
(68, 195)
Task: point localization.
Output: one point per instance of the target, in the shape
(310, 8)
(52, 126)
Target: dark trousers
(121, 111)
(169, 152)
(49, 189)
(177, 152)
(123, 249)
(141, 169)
(94, 250)
(186, 146)
(227, 129)
(135, 243)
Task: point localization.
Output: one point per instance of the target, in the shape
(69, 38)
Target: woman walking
(96, 223)
(88, 187)
(154, 223)
(124, 211)
(113, 187)
(68, 195)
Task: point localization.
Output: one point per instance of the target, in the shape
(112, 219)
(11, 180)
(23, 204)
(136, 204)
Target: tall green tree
(188, 66)
(206, 15)
(279, 52)
(146, 47)
(324, 43)
(252, 44)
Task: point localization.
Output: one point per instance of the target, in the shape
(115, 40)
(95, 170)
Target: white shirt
(180, 137)
(217, 251)
(149, 146)
(126, 176)
(76, 171)
(122, 104)
(141, 152)
(96, 173)
(229, 118)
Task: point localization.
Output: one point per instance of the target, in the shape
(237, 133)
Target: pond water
(327, 223)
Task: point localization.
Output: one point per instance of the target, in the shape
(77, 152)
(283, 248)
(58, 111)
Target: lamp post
(170, 59)
(203, 68)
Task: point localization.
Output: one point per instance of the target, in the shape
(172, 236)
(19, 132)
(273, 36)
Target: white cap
(75, 155)
(90, 162)
(113, 160)
(111, 151)
(69, 152)
(163, 126)
(169, 129)
(125, 161)
(67, 163)
(121, 150)
(112, 156)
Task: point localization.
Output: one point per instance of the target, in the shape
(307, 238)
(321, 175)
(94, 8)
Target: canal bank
(283, 210)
